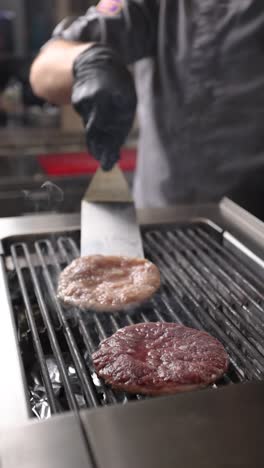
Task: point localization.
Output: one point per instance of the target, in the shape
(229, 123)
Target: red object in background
(81, 163)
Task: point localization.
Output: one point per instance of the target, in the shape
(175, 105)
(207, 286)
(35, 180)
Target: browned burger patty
(159, 359)
(108, 283)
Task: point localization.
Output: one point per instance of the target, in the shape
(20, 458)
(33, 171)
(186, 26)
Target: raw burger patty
(108, 283)
(159, 359)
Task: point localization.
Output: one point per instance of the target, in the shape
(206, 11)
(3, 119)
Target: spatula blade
(108, 217)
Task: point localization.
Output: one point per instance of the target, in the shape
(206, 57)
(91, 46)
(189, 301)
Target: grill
(205, 285)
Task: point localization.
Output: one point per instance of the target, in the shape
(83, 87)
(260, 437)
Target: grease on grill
(204, 286)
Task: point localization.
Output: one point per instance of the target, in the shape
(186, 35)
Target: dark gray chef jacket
(199, 71)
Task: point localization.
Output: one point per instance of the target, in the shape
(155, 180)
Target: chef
(198, 69)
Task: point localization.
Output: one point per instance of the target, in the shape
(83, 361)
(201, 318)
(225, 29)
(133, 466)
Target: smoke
(55, 193)
(48, 198)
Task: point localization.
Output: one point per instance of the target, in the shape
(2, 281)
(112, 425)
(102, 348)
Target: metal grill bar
(204, 286)
(225, 290)
(87, 385)
(231, 265)
(35, 334)
(51, 332)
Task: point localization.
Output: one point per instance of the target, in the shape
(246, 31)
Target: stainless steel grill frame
(235, 227)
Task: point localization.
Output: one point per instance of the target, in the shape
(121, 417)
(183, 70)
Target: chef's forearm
(51, 73)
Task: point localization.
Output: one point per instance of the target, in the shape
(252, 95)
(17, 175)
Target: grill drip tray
(205, 285)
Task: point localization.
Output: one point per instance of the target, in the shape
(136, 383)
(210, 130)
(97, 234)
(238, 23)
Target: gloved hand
(104, 95)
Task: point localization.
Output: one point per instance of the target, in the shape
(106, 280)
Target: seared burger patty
(159, 359)
(108, 283)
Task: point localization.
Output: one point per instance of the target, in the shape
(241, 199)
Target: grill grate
(204, 285)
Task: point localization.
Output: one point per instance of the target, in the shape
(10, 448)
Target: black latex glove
(104, 95)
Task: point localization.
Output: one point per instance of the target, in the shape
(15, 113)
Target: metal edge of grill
(16, 404)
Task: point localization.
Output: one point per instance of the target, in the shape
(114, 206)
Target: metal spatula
(108, 217)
